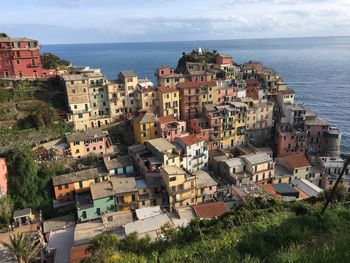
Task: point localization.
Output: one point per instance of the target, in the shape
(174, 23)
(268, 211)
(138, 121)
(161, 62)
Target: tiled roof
(251, 81)
(287, 91)
(167, 89)
(190, 139)
(146, 118)
(209, 210)
(166, 119)
(85, 135)
(296, 161)
(123, 184)
(196, 84)
(119, 162)
(101, 190)
(257, 158)
(79, 253)
(78, 176)
(17, 39)
(128, 73)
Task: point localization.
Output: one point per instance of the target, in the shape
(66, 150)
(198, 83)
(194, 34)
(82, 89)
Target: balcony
(33, 66)
(198, 156)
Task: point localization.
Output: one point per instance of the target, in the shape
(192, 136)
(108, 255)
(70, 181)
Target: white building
(194, 152)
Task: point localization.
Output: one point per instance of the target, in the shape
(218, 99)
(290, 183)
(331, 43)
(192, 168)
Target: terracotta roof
(251, 81)
(167, 89)
(166, 119)
(191, 139)
(79, 253)
(296, 160)
(196, 84)
(269, 189)
(287, 91)
(209, 210)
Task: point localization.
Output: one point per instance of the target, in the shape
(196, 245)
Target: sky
(106, 21)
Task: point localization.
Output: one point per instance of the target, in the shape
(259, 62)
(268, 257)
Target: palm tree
(24, 247)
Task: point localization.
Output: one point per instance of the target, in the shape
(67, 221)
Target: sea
(317, 68)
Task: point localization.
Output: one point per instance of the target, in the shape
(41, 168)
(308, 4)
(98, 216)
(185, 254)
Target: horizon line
(198, 40)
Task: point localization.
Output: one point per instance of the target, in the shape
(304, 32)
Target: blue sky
(99, 21)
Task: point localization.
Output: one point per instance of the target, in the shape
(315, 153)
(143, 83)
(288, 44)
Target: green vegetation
(24, 247)
(194, 56)
(50, 61)
(3, 35)
(30, 183)
(29, 112)
(263, 230)
(6, 208)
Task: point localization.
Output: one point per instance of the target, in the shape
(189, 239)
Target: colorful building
(297, 166)
(95, 202)
(206, 184)
(67, 185)
(21, 58)
(181, 186)
(171, 128)
(169, 102)
(3, 177)
(166, 77)
(93, 141)
(122, 165)
(145, 127)
(87, 99)
(194, 95)
(194, 152)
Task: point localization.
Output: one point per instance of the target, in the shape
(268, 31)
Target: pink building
(3, 177)
(171, 128)
(252, 88)
(199, 126)
(316, 130)
(290, 141)
(20, 58)
(224, 59)
(93, 141)
(207, 184)
(226, 94)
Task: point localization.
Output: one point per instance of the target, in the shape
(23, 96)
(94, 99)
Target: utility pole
(336, 184)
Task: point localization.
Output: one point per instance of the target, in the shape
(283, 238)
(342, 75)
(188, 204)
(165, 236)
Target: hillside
(29, 112)
(261, 231)
(194, 56)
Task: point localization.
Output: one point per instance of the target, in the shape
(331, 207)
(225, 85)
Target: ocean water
(318, 69)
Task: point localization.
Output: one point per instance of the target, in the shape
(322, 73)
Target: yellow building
(182, 187)
(146, 99)
(87, 98)
(240, 122)
(169, 102)
(126, 193)
(165, 152)
(209, 94)
(145, 127)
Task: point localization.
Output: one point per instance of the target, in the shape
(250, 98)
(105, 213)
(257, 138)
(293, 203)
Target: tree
(51, 61)
(338, 196)
(23, 177)
(6, 208)
(24, 247)
(3, 35)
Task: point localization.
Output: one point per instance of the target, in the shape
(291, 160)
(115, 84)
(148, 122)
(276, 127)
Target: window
(80, 115)
(83, 215)
(80, 184)
(172, 179)
(66, 186)
(59, 187)
(98, 211)
(18, 61)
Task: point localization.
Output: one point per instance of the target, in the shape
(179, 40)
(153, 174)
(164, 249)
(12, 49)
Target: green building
(99, 199)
